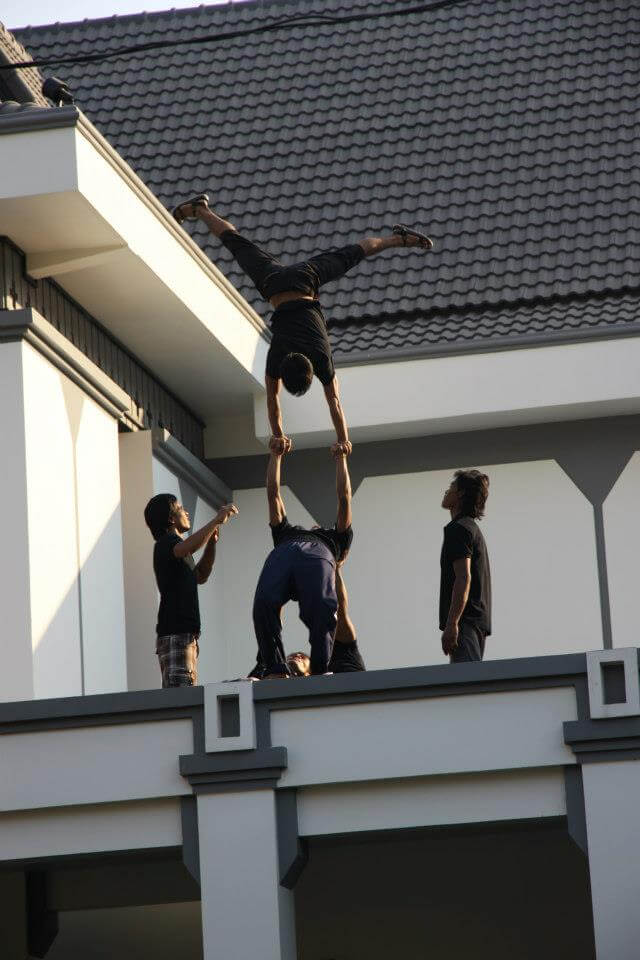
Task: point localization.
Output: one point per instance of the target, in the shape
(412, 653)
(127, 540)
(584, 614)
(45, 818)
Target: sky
(23, 13)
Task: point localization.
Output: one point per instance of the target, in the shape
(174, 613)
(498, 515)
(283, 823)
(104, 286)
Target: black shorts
(271, 277)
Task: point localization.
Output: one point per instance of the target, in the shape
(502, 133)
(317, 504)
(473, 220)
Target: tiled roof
(526, 324)
(508, 129)
(23, 86)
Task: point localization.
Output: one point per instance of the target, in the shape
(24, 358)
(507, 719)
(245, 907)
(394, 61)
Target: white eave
(84, 218)
(451, 394)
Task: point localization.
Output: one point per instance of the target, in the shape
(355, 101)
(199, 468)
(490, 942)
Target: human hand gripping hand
(225, 513)
(280, 445)
(342, 448)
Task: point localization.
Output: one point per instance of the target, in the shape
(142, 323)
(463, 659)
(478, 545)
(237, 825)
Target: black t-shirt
(338, 543)
(346, 658)
(463, 538)
(299, 327)
(176, 578)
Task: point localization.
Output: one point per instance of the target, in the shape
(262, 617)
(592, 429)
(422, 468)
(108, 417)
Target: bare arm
(277, 512)
(345, 630)
(343, 489)
(459, 597)
(205, 564)
(331, 392)
(198, 539)
(274, 411)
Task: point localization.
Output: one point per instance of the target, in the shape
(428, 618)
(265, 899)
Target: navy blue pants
(304, 571)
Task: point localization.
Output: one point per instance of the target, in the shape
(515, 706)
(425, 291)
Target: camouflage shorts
(178, 659)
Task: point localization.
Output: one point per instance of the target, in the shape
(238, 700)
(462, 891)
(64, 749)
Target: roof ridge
(184, 11)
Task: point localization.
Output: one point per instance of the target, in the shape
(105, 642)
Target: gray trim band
(181, 461)
(103, 708)
(445, 680)
(600, 741)
(574, 799)
(28, 325)
(190, 836)
(236, 770)
(44, 118)
(292, 849)
(603, 576)
(452, 677)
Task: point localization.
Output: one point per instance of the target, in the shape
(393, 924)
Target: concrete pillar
(61, 582)
(612, 801)
(246, 913)
(140, 594)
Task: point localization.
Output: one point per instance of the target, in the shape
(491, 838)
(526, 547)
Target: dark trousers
(270, 276)
(304, 571)
(471, 642)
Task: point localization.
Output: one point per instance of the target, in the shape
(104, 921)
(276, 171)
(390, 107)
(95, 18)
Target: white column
(245, 912)
(612, 802)
(61, 586)
(16, 677)
(141, 596)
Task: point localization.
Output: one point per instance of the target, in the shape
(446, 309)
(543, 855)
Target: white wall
(622, 535)
(433, 735)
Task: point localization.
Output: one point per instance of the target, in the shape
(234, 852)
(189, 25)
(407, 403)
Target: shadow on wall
(79, 649)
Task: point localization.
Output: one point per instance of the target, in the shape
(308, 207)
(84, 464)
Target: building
(371, 814)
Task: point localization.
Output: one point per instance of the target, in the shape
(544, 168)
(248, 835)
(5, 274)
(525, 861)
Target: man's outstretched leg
(256, 262)
(335, 263)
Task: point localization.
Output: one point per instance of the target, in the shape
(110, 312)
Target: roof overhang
(86, 220)
(420, 397)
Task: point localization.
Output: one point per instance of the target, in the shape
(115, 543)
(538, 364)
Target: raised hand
(226, 512)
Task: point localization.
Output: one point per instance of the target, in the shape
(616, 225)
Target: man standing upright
(465, 578)
(302, 567)
(178, 577)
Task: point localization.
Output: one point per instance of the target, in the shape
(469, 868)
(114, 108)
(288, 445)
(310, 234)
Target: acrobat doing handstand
(300, 344)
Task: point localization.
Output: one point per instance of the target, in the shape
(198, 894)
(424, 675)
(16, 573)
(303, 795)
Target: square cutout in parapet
(229, 716)
(614, 683)
(614, 687)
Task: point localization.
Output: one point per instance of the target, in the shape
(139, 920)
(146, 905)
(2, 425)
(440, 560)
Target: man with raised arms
(302, 567)
(178, 577)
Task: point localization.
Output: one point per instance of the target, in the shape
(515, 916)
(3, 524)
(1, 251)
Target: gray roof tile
(507, 128)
